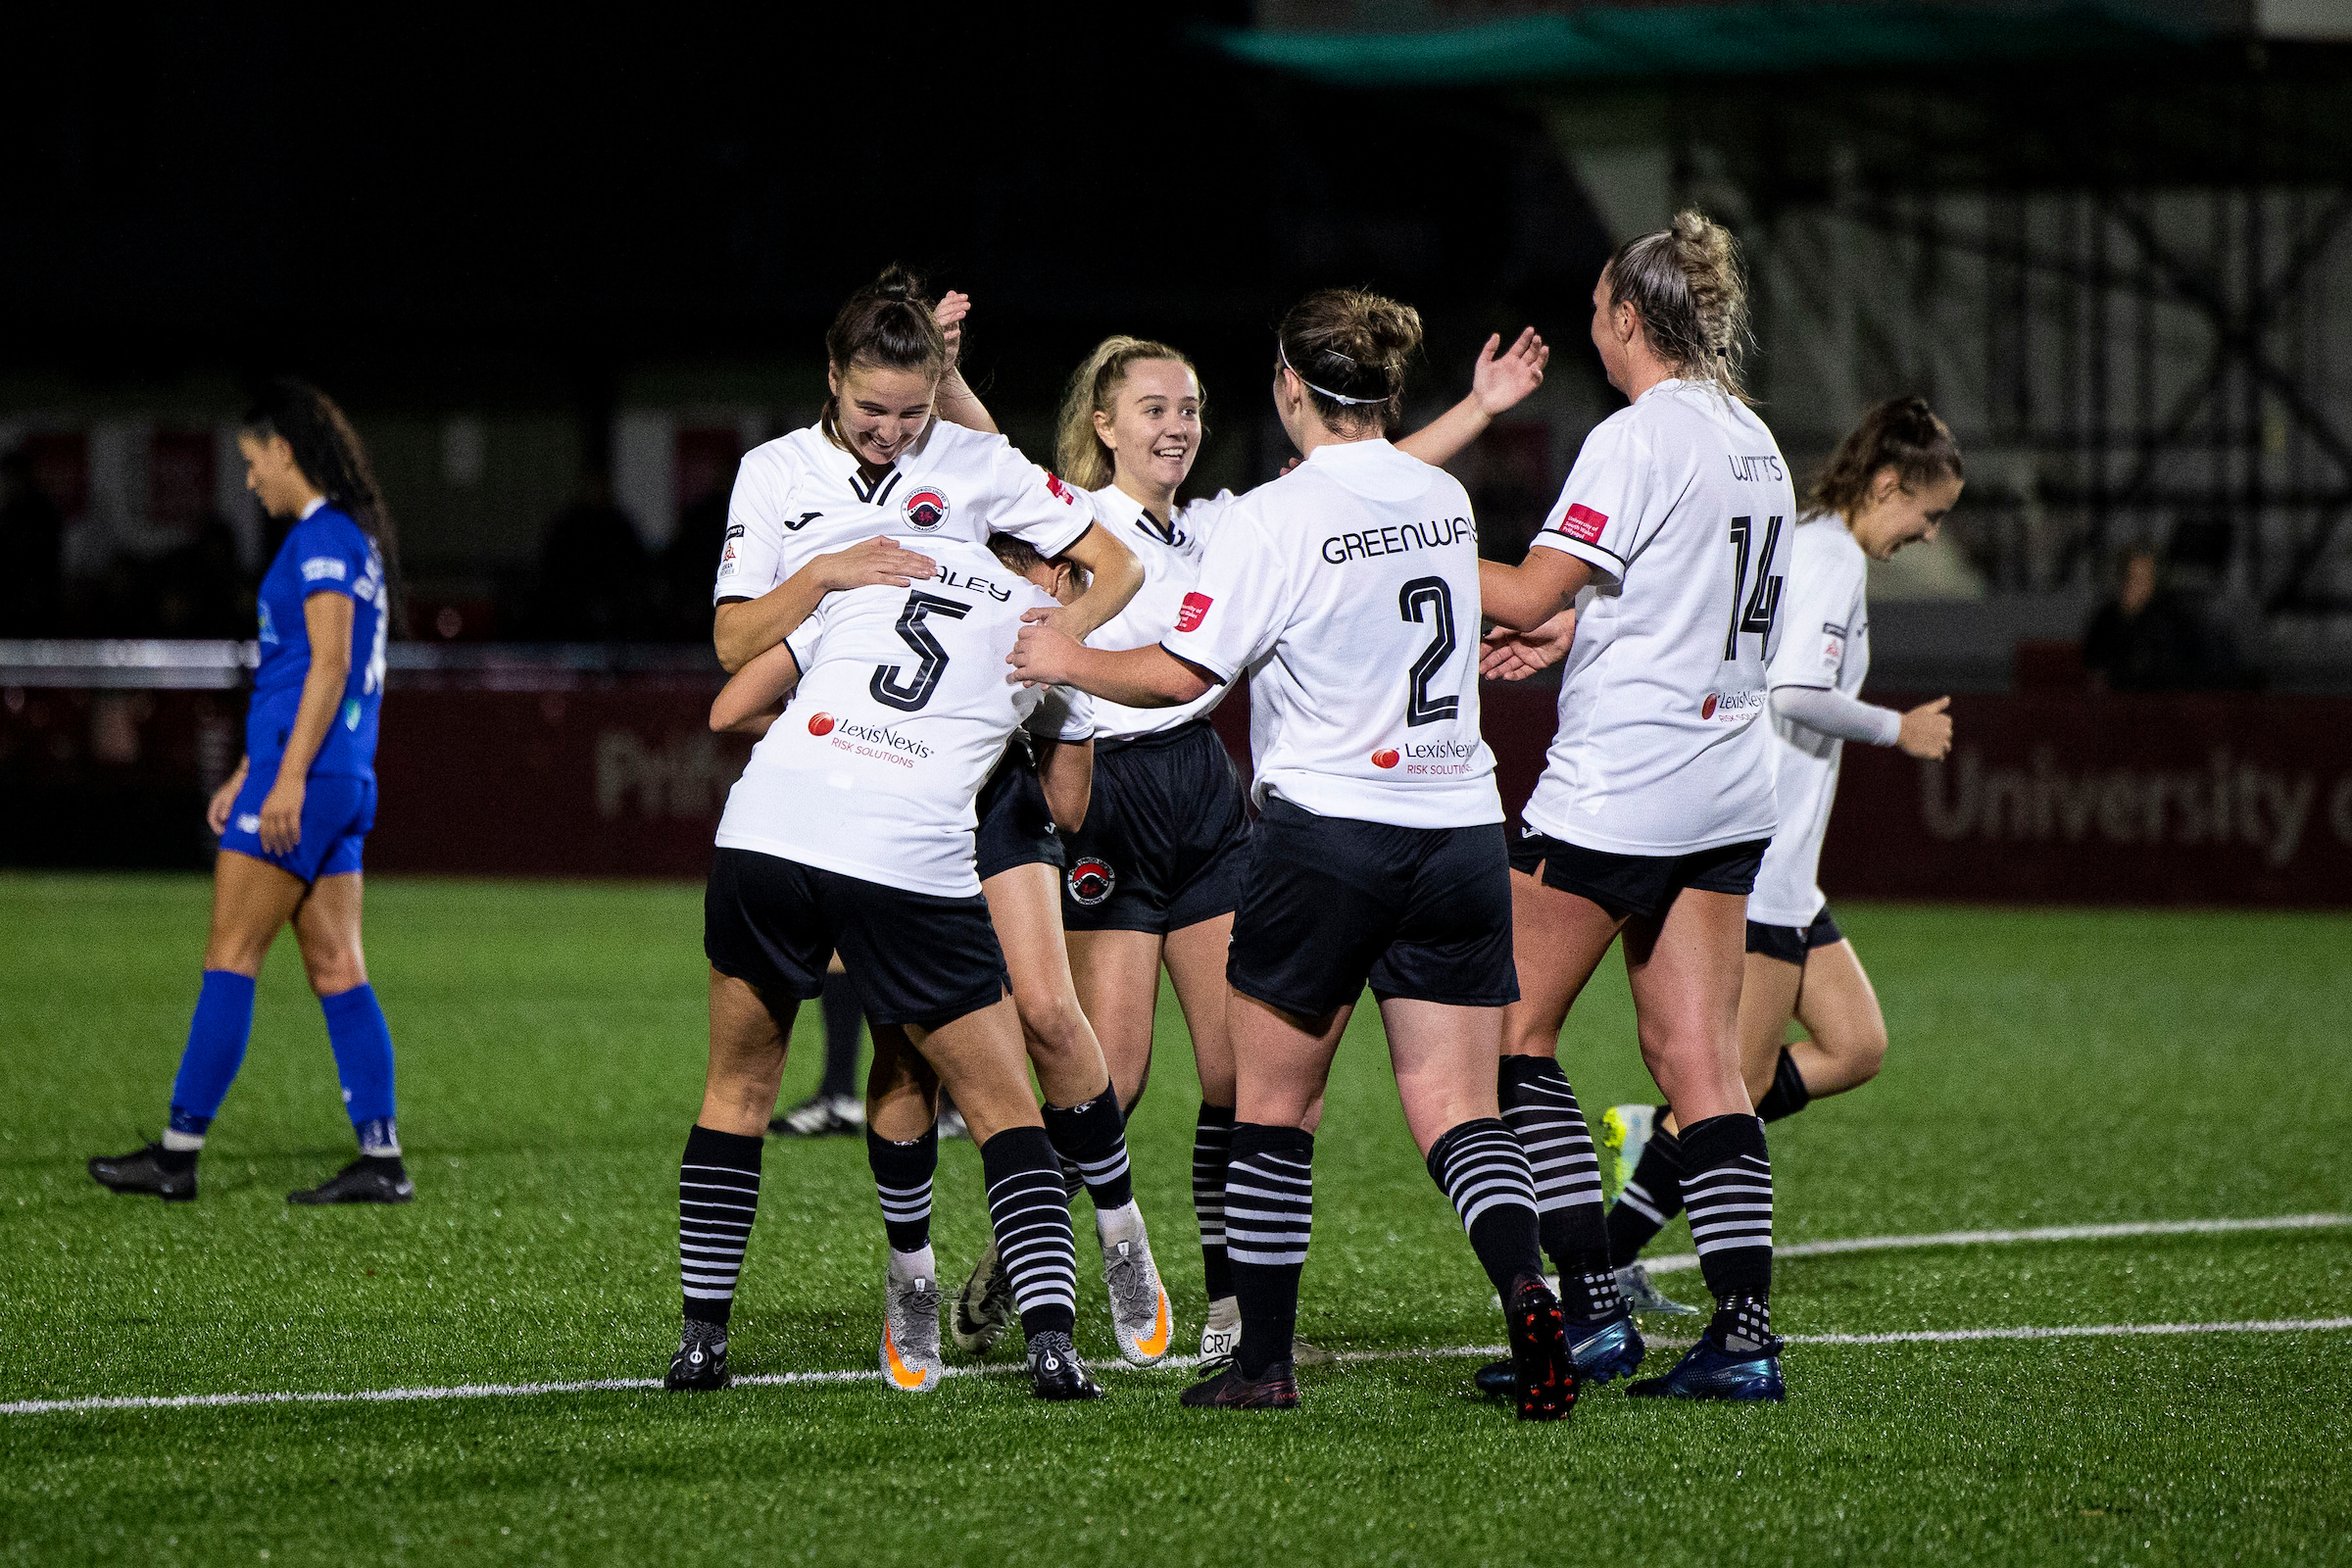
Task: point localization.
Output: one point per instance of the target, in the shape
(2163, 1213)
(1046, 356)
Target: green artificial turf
(2048, 1067)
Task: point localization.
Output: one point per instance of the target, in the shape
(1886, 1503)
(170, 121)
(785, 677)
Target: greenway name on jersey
(902, 709)
(800, 496)
(1390, 732)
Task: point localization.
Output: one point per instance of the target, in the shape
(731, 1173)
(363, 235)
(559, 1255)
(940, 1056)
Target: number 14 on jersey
(1764, 602)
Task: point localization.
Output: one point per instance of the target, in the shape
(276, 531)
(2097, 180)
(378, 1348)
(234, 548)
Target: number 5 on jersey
(910, 695)
(1765, 602)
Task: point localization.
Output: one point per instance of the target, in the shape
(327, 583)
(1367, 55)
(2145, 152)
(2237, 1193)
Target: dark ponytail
(887, 325)
(1900, 433)
(331, 457)
(1351, 348)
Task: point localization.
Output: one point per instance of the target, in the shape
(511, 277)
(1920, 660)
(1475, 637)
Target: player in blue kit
(292, 818)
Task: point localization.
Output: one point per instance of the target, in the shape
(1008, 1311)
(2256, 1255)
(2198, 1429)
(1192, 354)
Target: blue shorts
(337, 810)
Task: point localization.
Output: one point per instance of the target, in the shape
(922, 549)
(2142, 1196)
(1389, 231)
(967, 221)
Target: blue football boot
(1711, 1372)
(1602, 1352)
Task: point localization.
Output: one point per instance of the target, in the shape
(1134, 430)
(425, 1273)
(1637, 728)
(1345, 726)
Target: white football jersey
(800, 496)
(1825, 645)
(1170, 552)
(1348, 591)
(903, 708)
(1683, 505)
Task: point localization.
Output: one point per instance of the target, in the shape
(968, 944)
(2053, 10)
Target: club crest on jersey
(1193, 612)
(926, 507)
(1090, 882)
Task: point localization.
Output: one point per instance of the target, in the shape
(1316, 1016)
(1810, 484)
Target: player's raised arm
(1499, 381)
(958, 404)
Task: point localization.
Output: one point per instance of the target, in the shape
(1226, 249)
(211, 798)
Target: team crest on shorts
(927, 508)
(1090, 882)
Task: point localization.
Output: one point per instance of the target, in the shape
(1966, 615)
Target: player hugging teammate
(882, 568)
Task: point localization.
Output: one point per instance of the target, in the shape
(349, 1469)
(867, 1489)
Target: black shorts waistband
(1181, 735)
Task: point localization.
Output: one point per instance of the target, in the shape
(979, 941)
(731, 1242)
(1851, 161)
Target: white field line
(2046, 1233)
(484, 1391)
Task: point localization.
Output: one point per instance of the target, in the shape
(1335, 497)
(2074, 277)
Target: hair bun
(898, 283)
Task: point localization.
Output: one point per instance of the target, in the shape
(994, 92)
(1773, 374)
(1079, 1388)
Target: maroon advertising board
(2046, 799)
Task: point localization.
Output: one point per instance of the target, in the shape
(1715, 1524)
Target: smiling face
(879, 412)
(273, 474)
(1153, 427)
(1892, 516)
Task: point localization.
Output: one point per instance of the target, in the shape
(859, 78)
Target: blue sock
(217, 1038)
(362, 1044)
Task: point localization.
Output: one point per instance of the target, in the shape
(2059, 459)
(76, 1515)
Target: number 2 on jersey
(910, 695)
(1765, 602)
(1429, 599)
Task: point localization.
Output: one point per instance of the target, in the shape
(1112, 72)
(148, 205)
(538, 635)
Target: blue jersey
(326, 553)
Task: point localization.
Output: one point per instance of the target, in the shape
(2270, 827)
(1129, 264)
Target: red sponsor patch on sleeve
(1583, 523)
(1054, 484)
(1190, 612)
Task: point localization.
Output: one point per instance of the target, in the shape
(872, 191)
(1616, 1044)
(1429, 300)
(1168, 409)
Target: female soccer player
(293, 817)
(1153, 876)
(1339, 588)
(880, 460)
(851, 831)
(1656, 799)
(1891, 483)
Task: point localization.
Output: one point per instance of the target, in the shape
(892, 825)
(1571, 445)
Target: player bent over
(1338, 589)
(851, 830)
(1890, 484)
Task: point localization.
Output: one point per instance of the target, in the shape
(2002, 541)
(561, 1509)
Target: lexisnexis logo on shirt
(872, 740)
(1731, 707)
(1427, 759)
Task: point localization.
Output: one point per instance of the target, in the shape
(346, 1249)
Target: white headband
(1284, 357)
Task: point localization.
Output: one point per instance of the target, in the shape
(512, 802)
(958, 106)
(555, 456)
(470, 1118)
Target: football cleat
(701, 1363)
(1543, 1380)
(1640, 1296)
(1625, 1132)
(369, 1179)
(1277, 1389)
(146, 1171)
(910, 1361)
(1602, 1352)
(1140, 1317)
(821, 1116)
(951, 1124)
(1220, 1334)
(984, 1306)
(1054, 1370)
(1711, 1372)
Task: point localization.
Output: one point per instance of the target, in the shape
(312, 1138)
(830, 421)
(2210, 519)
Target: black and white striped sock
(1728, 1190)
(1480, 1166)
(1269, 1217)
(1541, 1107)
(1092, 1137)
(1032, 1223)
(1787, 1094)
(902, 1175)
(1212, 1150)
(1651, 1199)
(718, 1197)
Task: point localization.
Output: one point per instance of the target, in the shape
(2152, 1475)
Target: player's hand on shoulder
(1927, 731)
(1501, 379)
(1043, 652)
(878, 561)
(953, 307)
(1508, 655)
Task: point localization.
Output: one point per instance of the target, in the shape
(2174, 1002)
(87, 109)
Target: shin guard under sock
(1787, 1094)
(902, 1175)
(1269, 1217)
(1480, 1166)
(719, 1196)
(1726, 1187)
(1032, 1223)
(1092, 1137)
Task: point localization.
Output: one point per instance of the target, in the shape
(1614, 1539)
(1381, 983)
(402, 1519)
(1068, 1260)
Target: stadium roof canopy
(1409, 46)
